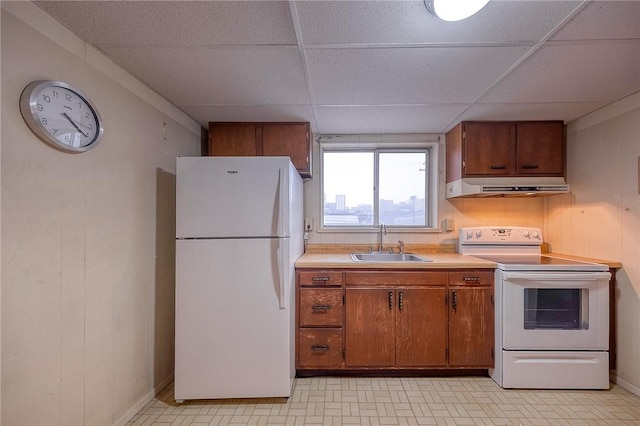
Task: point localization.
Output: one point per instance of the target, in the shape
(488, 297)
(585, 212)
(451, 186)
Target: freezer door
(233, 196)
(233, 340)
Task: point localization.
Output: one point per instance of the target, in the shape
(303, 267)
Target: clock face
(61, 115)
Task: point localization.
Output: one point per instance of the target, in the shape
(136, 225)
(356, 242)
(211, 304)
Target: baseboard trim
(623, 383)
(122, 421)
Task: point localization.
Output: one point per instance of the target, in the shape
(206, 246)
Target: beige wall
(601, 216)
(87, 239)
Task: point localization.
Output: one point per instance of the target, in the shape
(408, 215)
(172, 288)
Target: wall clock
(61, 115)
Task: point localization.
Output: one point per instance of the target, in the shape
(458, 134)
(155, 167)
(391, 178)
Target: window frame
(429, 147)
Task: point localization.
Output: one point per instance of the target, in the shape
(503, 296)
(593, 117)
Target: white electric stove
(551, 314)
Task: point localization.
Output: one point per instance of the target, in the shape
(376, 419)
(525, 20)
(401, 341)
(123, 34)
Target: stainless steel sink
(387, 257)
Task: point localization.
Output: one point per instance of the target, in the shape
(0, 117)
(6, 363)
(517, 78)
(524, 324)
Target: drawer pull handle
(317, 308)
(498, 167)
(471, 278)
(530, 166)
(319, 348)
(320, 279)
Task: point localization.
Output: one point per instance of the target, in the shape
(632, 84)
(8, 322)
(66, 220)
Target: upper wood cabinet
(269, 139)
(505, 148)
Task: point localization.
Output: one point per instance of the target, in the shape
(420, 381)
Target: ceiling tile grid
(360, 66)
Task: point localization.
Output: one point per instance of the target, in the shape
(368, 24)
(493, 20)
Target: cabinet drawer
(320, 278)
(320, 348)
(320, 307)
(396, 278)
(459, 278)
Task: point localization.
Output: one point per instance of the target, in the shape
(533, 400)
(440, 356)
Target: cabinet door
(233, 139)
(370, 329)
(489, 148)
(421, 327)
(290, 140)
(471, 318)
(540, 148)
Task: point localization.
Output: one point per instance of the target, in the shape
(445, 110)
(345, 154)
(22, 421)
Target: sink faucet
(401, 244)
(383, 231)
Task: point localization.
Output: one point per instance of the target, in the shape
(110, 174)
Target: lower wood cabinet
(370, 331)
(471, 330)
(377, 320)
(471, 319)
(319, 319)
(395, 327)
(421, 327)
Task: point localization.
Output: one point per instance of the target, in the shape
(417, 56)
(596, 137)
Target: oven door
(555, 310)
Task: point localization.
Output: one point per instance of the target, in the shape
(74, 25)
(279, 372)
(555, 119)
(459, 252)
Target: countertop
(443, 256)
(439, 261)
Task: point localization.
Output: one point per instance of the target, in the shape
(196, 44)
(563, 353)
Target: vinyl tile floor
(401, 401)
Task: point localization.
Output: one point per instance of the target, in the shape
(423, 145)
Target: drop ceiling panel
(372, 22)
(386, 119)
(248, 75)
(406, 76)
(176, 23)
(602, 20)
(206, 113)
(573, 72)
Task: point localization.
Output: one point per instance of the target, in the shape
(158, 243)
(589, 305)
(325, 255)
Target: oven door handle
(556, 276)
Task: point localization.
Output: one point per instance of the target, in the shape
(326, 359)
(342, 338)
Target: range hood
(506, 187)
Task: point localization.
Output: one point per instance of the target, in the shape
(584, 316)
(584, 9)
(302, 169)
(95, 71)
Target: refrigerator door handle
(283, 203)
(283, 275)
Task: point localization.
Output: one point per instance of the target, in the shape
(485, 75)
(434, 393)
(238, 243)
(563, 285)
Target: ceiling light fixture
(454, 10)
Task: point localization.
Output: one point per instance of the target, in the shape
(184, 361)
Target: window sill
(376, 230)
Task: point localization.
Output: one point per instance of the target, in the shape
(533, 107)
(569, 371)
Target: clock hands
(73, 123)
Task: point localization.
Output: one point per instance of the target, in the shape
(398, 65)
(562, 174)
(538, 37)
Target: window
(379, 185)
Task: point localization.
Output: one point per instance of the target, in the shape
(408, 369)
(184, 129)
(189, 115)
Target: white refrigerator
(239, 230)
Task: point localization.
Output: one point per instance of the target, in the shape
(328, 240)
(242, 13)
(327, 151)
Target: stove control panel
(502, 235)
